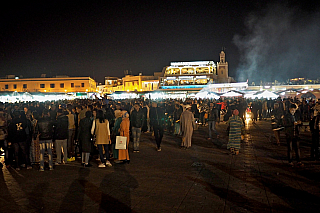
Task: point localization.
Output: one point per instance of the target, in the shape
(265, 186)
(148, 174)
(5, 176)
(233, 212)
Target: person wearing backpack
(18, 133)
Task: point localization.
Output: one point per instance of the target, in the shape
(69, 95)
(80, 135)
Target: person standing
(60, 136)
(100, 128)
(123, 154)
(35, 147)
(71, 133)
(84, 136)
(213, 117)
(314, 127)
(276, 121)
(115, 132)
(254, 110)
(187, 126)
(3, 131)
(44, 129)
(291, 121)
(157, 122)
(137, 118)
(145, 111)
(235, 123)
(18, 133)
(176, 118)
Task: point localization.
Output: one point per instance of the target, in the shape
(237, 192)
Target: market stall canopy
(308, 95)
(206, 94)
(232, 94)
(265, 94)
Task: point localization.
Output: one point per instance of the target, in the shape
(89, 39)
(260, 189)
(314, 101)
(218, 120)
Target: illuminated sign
(183, 87)
(201, 77)
(171, 78)
(193, 63)
(185, 77)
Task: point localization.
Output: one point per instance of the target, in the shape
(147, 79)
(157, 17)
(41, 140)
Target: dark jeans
(158, 134)
(23, 147)
(292, 143)
(71, 134)
(106, 149)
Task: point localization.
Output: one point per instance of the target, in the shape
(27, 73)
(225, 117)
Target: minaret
(222, 68)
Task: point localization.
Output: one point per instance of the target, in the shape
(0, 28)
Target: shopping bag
(121, 142)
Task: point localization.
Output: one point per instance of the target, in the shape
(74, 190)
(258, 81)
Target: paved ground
(202, 179)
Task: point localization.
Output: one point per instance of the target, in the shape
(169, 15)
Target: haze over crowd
(279, 43)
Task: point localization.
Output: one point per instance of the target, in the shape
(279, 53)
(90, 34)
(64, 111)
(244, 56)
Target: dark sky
(104, 38)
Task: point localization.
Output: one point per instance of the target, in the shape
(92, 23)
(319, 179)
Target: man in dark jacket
(213, 117)
(60, 136)
(291, 121)
(314, 128)
(44, 129)
(137, 118)
(176, 118)
(276, 121)
(157, 119)
(18, 133)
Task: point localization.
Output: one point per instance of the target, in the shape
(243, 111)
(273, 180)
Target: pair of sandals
(234, 151)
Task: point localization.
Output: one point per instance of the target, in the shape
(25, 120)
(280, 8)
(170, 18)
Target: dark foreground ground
(204, 178)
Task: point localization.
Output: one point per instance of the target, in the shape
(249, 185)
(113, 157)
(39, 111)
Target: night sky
(263, 40)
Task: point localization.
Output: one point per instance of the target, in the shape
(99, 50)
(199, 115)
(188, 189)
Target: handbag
(121, 142)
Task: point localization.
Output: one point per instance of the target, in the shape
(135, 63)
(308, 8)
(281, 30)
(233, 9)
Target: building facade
(194, 76)
(131, 83)
(63, 84)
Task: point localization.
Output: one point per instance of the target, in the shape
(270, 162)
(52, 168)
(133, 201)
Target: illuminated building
(59, 84)
(130, 83)
(194, 76)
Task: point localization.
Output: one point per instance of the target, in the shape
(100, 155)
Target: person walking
(84, 137)
(187, 126)
(137, 118)
(100, 128)
(213, 118)
(235, 123)
(60, 137)
(157, 122)
(44, 129)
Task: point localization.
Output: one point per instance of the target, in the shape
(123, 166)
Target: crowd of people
(81, 128)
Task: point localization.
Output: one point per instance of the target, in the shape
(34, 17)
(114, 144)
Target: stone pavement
(204, 178)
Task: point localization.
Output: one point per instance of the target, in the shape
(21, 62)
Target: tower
(222, 69)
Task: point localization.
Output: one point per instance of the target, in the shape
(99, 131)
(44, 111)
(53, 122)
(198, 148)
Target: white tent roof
(266, 94)
(232, 94)
(205, 94)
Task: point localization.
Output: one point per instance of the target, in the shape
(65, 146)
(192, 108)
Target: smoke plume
(279, 43)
